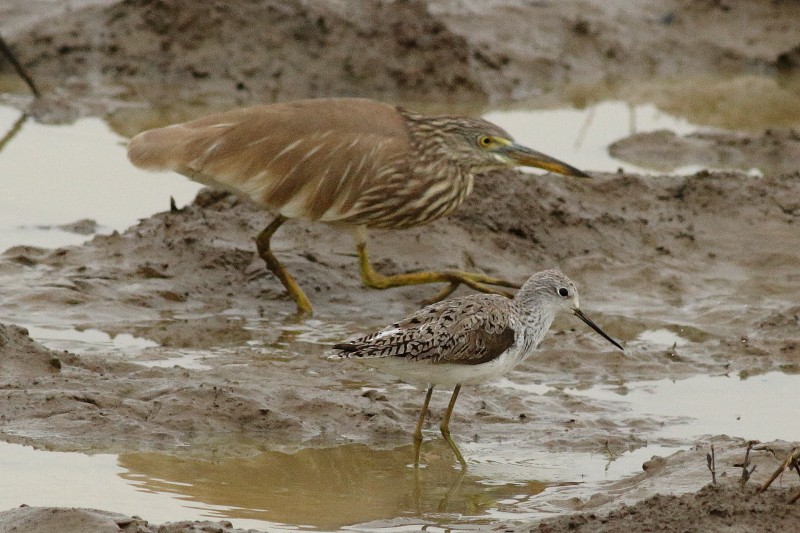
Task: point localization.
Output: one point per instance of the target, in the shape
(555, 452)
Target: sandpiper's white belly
(450, 374)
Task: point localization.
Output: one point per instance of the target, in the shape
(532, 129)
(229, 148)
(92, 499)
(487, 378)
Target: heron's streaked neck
(427, 135)
(433, 156)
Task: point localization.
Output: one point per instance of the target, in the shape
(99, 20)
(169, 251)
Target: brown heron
(347, 161)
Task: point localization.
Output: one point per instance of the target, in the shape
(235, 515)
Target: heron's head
(481, 146)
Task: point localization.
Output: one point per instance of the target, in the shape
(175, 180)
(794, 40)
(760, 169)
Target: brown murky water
(349, 485)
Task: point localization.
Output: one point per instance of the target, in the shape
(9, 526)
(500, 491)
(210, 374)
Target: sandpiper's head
(551, 288)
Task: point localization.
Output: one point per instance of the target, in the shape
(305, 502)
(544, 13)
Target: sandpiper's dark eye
(563, 292)
(485, 140)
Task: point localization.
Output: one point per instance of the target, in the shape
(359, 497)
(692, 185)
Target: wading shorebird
(346, 161)
(467, 340)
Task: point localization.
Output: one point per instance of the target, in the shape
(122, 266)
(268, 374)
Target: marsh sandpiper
(467, 340)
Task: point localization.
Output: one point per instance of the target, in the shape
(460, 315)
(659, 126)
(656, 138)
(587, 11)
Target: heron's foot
(444, 503)
(453, 278)
(304, 306)
(469, 280)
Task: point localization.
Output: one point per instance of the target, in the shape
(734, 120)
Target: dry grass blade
(784, 465)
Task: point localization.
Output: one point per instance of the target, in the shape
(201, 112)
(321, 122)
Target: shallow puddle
(326, 489)
(662, 337)
(132, 348)
(582, 136)
(54, 175)
(317, 488)
(88, 340)
(756, 407)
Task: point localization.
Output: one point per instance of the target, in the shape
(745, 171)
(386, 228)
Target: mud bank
(672, 238)
(648, 253)
(664, 246)
(723, 508)
(93, 521)
(441, 49)
(773, 151)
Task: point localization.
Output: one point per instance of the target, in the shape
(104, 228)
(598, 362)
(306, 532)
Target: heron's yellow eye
(485, 141)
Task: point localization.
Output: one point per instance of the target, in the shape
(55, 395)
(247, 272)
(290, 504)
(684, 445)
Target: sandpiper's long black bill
(579, 314)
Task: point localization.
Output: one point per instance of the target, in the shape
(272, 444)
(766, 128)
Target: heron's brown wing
(308, 158)
(471, 330)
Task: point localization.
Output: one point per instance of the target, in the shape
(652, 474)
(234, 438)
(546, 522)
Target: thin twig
(786, 462)
(747, 473)
(6, 51)
(711, 460)
(794, 498)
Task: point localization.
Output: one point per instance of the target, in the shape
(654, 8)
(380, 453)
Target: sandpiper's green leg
(445, 427)
(418, 431)
(445, 502)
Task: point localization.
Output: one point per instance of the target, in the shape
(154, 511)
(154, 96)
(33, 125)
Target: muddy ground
(675, 240)
(424, 51)
(712, 256)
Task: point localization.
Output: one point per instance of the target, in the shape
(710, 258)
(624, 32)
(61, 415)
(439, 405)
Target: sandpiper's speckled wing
(470, 330)
(311, 158)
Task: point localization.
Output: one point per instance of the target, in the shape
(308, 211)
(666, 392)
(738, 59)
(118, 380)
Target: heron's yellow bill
(525, 157)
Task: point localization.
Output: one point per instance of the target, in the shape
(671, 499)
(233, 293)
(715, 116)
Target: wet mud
(773, 151)
(714, 508)
(440, 50)
(191, 280)
(225, 372)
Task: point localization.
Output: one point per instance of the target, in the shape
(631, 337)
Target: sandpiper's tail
(345, 350)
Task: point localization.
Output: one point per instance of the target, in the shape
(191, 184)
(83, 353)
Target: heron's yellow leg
(264, 250)
(418, 431)
(479, 282)
(445, 428)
